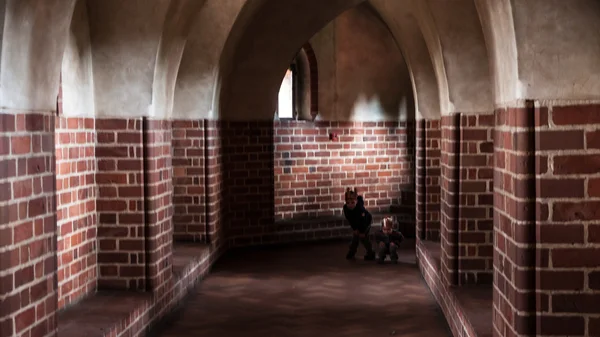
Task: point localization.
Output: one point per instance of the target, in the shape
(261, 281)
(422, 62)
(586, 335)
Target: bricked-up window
(286, 103)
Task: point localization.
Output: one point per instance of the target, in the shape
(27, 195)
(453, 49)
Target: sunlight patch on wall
(366, 109)
(372, 110)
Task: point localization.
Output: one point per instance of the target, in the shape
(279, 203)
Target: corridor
(150, 146)
(308, 290)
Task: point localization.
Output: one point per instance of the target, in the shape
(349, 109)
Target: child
(360, 221)
(388, 241)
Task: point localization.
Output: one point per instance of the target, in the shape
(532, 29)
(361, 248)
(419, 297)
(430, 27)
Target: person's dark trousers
(385, 249)
(365, 242)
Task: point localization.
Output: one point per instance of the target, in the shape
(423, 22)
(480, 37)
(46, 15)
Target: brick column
(450, 175)
(213, 183)
(248, 180)
(432, 182)
(28, 281)
(421, 178)
(76, 208)
(514, 224)
(120, 204)
(568, 220)
(476, 199)
(189, 181)
(158, 204)
(428, 179)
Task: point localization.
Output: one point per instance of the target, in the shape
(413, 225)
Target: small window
(285, 107)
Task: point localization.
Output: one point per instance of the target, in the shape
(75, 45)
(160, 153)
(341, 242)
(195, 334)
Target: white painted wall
(77, 80)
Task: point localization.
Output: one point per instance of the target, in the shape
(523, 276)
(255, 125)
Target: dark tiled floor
(308, 290)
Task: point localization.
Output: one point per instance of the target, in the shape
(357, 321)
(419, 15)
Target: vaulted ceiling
(225, 58)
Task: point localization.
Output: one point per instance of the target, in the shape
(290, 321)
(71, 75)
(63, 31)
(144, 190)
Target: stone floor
(308, 290)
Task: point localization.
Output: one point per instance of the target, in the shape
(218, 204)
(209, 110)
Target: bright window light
(285, 107)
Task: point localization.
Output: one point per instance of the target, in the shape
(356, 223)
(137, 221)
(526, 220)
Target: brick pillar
(450, 175)
(432, 182)
(158, 204)
(476, 199)
(189, 181)
(568, 195)
(514, 224)
(248, 163)
(76, 208)
(28, 282)
(120, 204)
(428, 179)
(421, 178)
(213, 176)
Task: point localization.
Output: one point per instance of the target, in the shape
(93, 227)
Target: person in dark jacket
(360, 220)
(388, 241)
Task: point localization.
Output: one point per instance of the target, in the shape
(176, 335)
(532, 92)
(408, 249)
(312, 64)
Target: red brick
(6, 326)
(552, 280)
(561, 188)
(557, 233)
(576, 115)
(7, 122)
(575, 303)
(593, 233)
(561, 325)
(560, 140)
(575, 257)
(24, 320)
(576, 211)
(594, 326)
(4, 145)
(592, 140)
(112, 124)
(594, 187)
(594, 280)
(20, 145)
(577, 164)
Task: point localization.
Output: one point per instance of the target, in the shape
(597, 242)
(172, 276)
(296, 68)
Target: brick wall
(476, 244)
(158, 203)
(241, 169)
(450, 175)
(514, 221)
(428, 179)
(546, 210)
(568, 196)
(312, 172)
(467, 198)
(247, 166)
(274, 173)
(27, 225)
(214, 182)
(75, 140)
(121, 232)
(189, 181)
